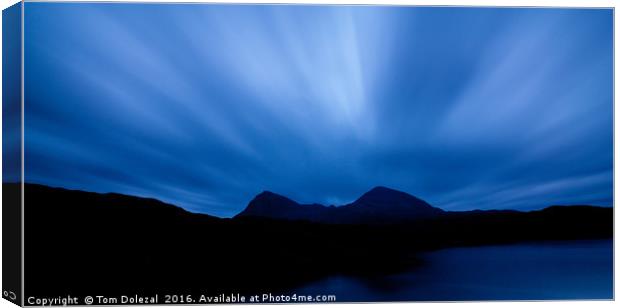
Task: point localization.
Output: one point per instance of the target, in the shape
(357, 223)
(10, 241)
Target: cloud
(205, 106)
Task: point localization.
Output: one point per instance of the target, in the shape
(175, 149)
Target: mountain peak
(272, 205)
(383, 190)
(390, 202)
(271, 199)
(380, 204)
(385, 194)
(268, 194)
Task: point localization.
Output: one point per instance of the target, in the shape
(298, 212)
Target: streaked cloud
(205, 106)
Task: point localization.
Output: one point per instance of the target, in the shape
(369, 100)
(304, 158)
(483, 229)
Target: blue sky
(204, 106)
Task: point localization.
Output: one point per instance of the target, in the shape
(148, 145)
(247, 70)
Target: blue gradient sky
(205, 106)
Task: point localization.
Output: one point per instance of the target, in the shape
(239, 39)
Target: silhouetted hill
(106, 208)
(268, 204)
(380, 205)
(386, 204)
(83, 243)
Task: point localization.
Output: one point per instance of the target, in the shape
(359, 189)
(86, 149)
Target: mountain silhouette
(147, 246)
(271, 205)
(387, 203)
(379, 205)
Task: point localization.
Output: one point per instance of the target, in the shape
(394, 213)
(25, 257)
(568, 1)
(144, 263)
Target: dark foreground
(79, 243)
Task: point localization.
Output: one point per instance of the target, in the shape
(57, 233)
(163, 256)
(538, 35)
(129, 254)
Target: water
(531, 271)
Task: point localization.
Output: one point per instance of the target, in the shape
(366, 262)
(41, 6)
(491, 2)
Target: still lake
(526, 271)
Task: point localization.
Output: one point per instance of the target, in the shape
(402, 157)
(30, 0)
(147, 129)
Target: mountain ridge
(113, 196)
(379, 205)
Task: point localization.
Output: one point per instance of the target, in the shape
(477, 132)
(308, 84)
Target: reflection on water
(532, 271)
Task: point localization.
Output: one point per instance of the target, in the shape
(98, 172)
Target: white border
(494, 3)
(503, 3)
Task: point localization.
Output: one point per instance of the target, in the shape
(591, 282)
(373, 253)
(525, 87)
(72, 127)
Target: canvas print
(261, 153)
